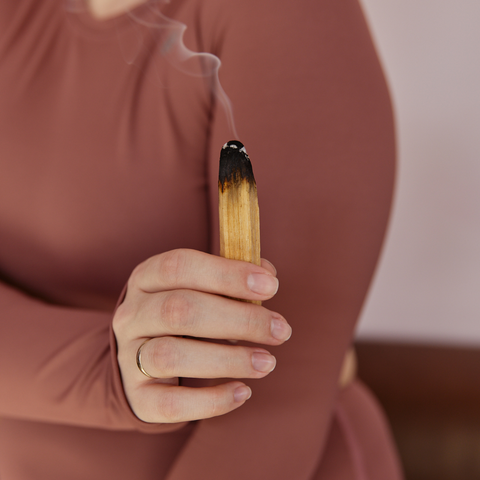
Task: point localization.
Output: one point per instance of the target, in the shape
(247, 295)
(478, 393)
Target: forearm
(58, 365)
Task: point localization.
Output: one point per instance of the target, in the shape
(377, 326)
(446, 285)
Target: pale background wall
(428, 285)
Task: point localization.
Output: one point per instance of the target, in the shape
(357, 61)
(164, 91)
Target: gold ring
(139, 359)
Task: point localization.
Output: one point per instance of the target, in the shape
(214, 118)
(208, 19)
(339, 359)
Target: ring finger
(167, 357)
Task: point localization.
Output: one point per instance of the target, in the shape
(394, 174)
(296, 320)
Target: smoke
(171, 47)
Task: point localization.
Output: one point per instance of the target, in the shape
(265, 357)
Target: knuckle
(252, 319)
(135, 277)
(215, 407)
(141, 408)
(122, 319)
(172, 266)
(169, 408)
(119, 319)
(164, 357)
(177, 312)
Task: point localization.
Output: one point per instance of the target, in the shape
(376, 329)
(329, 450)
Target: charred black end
(235, 165)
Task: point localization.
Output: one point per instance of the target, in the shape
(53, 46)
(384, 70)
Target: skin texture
(181, 293)
(104, 9)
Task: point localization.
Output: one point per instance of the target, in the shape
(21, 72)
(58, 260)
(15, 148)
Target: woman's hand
(177, 294)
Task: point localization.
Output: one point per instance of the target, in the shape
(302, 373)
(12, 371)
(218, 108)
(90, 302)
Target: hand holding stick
(178, 305)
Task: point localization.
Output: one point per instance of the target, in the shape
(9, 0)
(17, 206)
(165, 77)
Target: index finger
(194, 270)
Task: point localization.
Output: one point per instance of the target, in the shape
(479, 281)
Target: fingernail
(263, 362)
(262, 284)
(280, 329)
(271, 264)
(241, 394)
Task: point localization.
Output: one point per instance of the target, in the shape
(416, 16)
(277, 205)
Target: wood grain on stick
(238, 206)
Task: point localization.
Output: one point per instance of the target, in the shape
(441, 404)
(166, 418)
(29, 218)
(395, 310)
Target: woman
(109, 151)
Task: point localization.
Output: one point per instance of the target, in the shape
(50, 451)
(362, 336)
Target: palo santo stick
(238, 206)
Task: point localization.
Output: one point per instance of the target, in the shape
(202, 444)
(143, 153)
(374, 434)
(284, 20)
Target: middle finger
(198, 314)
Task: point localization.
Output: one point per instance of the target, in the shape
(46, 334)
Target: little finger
(159, 403)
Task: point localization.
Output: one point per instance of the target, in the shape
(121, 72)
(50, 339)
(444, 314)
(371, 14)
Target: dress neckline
(84, 20)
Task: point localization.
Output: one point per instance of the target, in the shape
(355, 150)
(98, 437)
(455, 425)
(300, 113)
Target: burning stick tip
(236, 145)
(235, 164)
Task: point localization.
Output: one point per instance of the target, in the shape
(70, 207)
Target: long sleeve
(109, 155)
(58, 365)
(71, 204)
(312, 108)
